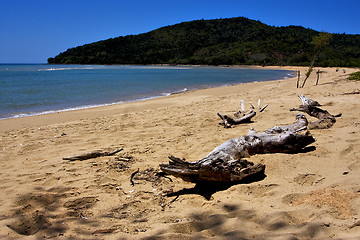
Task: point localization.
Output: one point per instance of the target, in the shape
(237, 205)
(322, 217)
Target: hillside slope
(220, 41)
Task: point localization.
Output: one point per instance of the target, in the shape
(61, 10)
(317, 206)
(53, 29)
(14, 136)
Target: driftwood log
(93, 154)
(241, 116)
(309, 106)
(229, 121)
(226, 164)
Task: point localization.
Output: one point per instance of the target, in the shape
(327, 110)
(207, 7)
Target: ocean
(33, 89)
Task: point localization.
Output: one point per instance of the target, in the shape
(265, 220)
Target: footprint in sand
(308, 179)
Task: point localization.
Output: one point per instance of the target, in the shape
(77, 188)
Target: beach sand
(309, 195)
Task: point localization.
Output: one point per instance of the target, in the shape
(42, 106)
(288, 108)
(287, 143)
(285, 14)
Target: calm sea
(32, 89)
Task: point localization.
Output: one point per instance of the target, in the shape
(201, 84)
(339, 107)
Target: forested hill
(214, 42)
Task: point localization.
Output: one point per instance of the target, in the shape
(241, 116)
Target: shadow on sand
(207, 189)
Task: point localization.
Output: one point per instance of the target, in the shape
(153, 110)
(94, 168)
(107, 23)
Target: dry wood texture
(309, 106)
(226, 164)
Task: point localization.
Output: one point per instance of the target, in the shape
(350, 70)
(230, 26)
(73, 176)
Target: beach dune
(314, 194)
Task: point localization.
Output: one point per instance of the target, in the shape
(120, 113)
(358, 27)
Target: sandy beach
(309, 195)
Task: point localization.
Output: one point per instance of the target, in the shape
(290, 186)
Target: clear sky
(34, 30)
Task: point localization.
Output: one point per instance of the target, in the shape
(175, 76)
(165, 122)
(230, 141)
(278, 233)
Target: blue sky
(34, 30)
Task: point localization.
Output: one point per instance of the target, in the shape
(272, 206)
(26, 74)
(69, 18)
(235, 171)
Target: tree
(319, 42)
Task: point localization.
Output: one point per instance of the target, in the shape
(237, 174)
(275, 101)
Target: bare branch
(94, 154)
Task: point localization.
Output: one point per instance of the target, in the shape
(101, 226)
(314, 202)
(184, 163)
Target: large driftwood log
(309, 106)
(225, 163)
(93, 154)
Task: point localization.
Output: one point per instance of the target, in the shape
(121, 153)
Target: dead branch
(123, 159)
(163, 174)
(298, 80)
(229, 121)
(240, 116)
(309, 106)
(226, 164)
(242, 106)
(251, 105)
(350, 93)
(263, 108)
(132, 176)
(94, 154)
(318, 72)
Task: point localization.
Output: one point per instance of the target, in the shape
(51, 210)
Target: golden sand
(310, 195)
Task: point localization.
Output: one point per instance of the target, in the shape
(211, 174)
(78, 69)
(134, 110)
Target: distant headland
(230, 41)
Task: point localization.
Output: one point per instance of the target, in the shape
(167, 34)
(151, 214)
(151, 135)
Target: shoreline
(38, 115)
(151, 95)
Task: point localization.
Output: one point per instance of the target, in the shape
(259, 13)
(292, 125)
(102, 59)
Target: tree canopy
(219, 42)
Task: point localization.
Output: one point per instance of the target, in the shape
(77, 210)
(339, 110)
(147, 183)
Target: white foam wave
(64, 69)
(159, 67)
(292, 74)
(177, 92)
(59, 110)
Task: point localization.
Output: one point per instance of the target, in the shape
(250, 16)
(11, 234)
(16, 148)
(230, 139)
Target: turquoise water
(31, 89)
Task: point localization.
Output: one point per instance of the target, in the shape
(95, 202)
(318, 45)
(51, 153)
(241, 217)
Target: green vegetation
(221, 41)
(355, 76)
(320, 42)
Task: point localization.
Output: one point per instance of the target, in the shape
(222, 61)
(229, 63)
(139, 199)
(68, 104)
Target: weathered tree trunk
(326, 120)
(225, 163)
